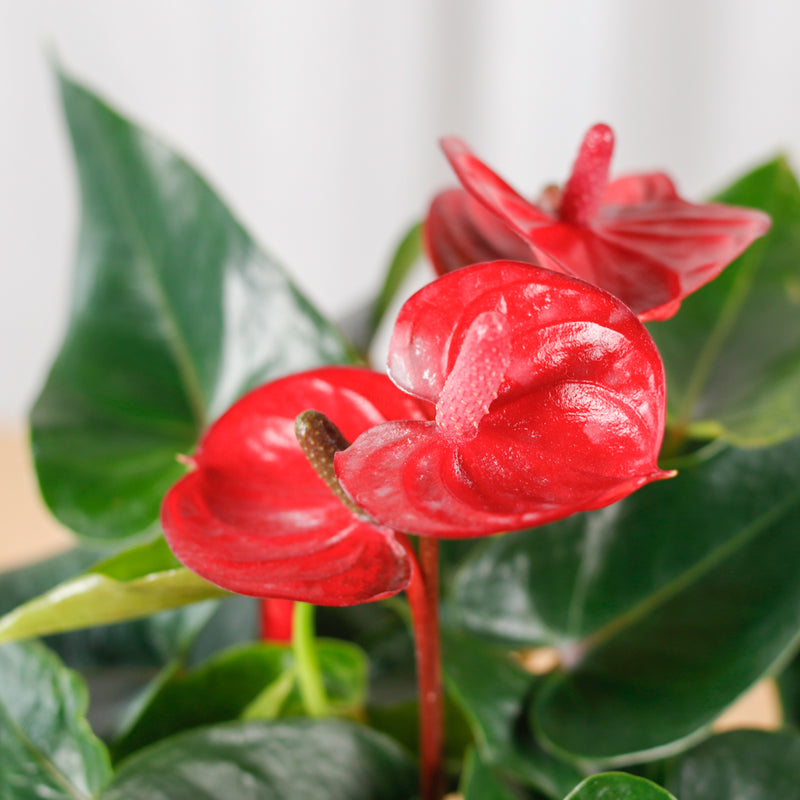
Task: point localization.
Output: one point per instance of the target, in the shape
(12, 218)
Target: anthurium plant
(536, 552)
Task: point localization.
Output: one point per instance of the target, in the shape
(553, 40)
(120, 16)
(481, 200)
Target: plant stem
(309, 675)
(423, 597)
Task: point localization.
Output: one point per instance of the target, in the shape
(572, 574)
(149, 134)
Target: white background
(317, 120)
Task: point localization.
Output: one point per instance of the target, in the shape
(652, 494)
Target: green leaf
(175, 313)
(319, 759)
(789, 688)
(479, 782)
(20, 585)
(407, 254)
(665, 607)
(252, 681)
(732, 353)
(740, 765)
(47, 749)
(493, 692)
(143, 643)
(136, 583)
(619, 786)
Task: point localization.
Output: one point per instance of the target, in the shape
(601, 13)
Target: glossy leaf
(532, 420)
(320, 759)
(788, 684)
(252, 681)
(26, 582)
(619, 786)
(740, 765)
(47, 749)
(407, 254)
(732, 355)
(133, 584)
(657, 605)
(175, 313)
(136, 646)
(261, 516)
(478, 782)
(634, 237)
(493, 693)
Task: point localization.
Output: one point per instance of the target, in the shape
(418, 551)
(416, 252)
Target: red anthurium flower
(634, 237)
(549, 398)
(254, 516)
(459, 231)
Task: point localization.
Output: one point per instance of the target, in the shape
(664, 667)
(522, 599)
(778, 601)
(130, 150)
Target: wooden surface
(27, 531)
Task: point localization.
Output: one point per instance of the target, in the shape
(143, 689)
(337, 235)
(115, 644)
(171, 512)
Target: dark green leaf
(175, 313)
(665, 608)
(789, 688)
(478, 782)
(408, 252)
(619, 786)
(253, 681)
(732, 353)
(290, 760)
(493, 693)
(741, 765)
(136, 583)
(382, 631)
(47, 749)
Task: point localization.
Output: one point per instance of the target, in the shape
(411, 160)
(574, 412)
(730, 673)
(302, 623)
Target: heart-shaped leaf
(136, 583)
(175, 313)
(619, 786)
(47, 749)
(740, 765)
(732, 353)
(320, 759)
(665, 608)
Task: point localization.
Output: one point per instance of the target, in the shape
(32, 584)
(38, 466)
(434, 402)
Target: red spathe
(254, 517)
(634, 237)
(573, 421)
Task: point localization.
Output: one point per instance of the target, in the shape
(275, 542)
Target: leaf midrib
(684, 580)
(47, 763)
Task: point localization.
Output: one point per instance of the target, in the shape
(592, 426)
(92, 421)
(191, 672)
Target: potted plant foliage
(536, 555)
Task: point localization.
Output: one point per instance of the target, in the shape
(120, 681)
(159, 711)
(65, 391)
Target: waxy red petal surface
(254, 517)
(577, 422)
(460, 231)
(645, 244)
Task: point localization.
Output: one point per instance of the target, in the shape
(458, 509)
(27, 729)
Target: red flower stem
(423, 597)
(275, 620)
